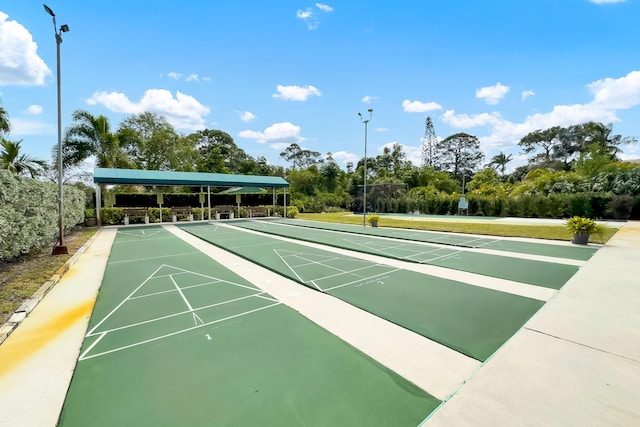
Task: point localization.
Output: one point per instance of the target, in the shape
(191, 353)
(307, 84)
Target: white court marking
(140, 233)
(411, 248)
(173, 273)
(324, 262)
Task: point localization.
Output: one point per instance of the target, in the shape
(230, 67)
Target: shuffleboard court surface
(177, 339)
(472, 320)
(582, 253)
(539, 273)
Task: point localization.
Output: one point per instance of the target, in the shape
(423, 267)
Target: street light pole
(60, 248)
(364, 173)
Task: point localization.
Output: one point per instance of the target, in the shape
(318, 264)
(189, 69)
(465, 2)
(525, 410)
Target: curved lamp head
(49, 11)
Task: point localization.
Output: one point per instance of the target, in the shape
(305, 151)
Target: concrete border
(30, 303)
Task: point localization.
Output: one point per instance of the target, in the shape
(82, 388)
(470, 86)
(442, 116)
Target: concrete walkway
(39, 357)
(576, 362)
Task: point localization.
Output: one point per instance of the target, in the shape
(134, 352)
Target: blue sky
(275, 72)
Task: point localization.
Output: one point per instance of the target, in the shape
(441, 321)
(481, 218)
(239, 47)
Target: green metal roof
(146, 177)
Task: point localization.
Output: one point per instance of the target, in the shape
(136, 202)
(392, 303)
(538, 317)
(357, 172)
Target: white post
(285, 203)
(98, 206)
(209, 200)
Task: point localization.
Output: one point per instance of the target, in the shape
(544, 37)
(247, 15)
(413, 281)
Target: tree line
(572, 159)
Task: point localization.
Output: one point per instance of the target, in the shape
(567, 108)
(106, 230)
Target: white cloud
(527, 93)
(419, 107)
(20, 64)
(620, 93)
(30, 127)
(34, 110)
(324, 7)
(183, 111)
(606, 1)
(193, 77)
(310, 18)
(609, 95)
(304, 14)
(247, 116)
(469, 121)
(295, 93)
(368, 99)
(344, 157)
(278, 133)
(381, 130)
(492, 94)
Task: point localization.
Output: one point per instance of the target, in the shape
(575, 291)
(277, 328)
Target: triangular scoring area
(168, 302)
(410, 251)
(171, 291)
(324, 272)
(141, 233)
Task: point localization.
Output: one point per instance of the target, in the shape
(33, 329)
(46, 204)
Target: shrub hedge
(29, 213)
(591, 205)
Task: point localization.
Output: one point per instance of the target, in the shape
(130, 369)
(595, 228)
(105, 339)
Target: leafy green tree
(219, 153)
(499, 161)
(542, 182)
(392, 165)
(5, 125)
(590, 133)
(593, 160)
(546, 140)
(90, 136)
(330, 172)
(153, 144)
(428, 176)
(458, 154)
(486, 183)
(300, 157)
(304, 181)
(19, 163)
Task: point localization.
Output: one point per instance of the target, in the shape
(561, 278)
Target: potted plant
(581, 228)
(90, 217)
(373, 220)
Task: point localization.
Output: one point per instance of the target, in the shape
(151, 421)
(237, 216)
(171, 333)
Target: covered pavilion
(109, 176)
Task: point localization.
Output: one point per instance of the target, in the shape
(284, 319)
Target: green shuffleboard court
(177, 339)
(472, 320)
(581, 253)
(539, 273)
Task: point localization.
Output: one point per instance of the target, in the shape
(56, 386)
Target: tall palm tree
(499, 161)
(601, 134)
(91, 136)
(21, 164)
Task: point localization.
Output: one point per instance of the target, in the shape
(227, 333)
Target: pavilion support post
(209, 200)
(201, 196)
(98, 205)
(285, 203)
(274, 199)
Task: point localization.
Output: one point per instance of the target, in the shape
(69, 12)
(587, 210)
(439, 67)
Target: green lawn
(550, 232)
